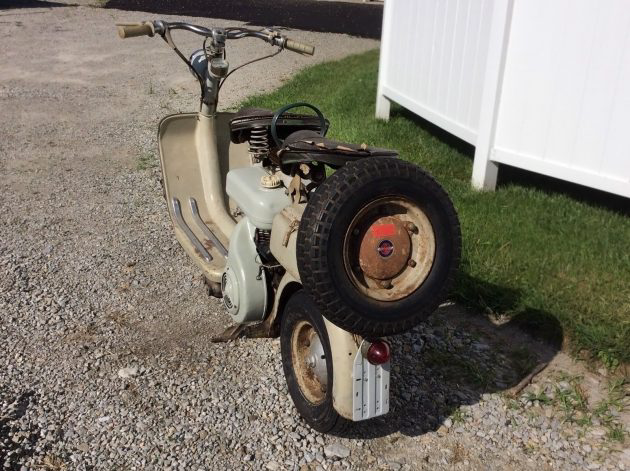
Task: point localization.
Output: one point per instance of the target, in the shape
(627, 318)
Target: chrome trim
(316, 360)
(179, 220)
(370, 388)
(205, 229)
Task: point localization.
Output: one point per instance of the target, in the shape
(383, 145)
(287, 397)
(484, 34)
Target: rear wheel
(213, 288)
(378, 246)
(307, 364)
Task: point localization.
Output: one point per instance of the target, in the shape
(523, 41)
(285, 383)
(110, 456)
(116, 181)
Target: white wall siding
(539, 85)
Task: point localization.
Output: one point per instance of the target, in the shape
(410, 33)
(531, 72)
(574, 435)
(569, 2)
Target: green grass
(540, 397)
(573, 402)
(570, 397)
(146, 161)
(557, 266)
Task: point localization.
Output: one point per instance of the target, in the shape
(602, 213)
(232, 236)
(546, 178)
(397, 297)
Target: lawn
(555, 264)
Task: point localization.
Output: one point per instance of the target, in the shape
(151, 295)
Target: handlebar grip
(132, 30)
(299, 47)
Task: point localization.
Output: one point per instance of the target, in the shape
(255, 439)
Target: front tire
(307, 364)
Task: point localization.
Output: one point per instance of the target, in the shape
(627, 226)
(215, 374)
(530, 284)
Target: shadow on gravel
(10, 426)
(453, 360)
(10, 4)
(355, 19)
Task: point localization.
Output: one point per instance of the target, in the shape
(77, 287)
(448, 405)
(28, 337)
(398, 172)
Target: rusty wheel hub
(389, 249)
(384, 249)
(309, 362)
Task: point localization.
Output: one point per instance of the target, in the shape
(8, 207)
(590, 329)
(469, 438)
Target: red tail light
(378, 352)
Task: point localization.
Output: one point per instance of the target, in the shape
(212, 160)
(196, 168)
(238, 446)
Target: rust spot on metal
(385, 284)
(384, 248)
(389, 248)
(411, 227)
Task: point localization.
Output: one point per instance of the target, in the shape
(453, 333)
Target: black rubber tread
(320, 241)
(213, 288)
(321, 417)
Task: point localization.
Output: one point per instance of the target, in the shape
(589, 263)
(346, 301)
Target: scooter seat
(309, 146)
(247, 118)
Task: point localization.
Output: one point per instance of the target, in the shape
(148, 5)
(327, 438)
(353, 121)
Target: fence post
(382, 103)
(485, 171)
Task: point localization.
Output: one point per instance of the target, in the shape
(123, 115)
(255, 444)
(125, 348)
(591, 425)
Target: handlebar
(148, 28)
(132, 30)
(298, 47)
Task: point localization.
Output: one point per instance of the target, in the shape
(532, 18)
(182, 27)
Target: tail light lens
(378, 352)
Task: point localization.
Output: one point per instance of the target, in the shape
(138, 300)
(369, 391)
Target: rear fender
(360, 390)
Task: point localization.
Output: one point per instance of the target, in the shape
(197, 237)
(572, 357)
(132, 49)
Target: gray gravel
(106, 361)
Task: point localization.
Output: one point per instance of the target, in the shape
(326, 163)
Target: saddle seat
(248, 118)
(309, 146)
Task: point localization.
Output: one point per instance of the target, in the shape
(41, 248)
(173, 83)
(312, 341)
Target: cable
(247, 63)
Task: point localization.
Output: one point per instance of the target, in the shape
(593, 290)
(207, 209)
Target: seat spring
(259, 143)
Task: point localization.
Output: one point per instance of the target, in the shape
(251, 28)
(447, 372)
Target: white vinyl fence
(543, 85)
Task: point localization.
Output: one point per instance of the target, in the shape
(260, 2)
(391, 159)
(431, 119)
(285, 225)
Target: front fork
(209, 75)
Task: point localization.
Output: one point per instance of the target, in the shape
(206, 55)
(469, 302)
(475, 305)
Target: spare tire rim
(309, 362)
(389, 248)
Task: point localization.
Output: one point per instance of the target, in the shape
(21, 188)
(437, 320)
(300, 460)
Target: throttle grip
(132, 30)
(299, 47)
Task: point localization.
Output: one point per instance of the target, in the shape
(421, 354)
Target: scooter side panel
(181, 169)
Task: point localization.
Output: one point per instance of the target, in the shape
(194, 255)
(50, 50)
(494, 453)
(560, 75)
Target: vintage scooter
(329, 260)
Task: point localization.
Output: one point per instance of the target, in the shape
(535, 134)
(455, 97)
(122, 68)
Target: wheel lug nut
(385, 284)
(411, 263)
(410, 226)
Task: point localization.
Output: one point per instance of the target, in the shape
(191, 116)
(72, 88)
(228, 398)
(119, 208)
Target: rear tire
(345, 264)
(301, 323)
(213, 288)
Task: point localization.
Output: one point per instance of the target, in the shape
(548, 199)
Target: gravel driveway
(104, 323)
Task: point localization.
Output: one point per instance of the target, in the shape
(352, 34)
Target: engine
(260, 196)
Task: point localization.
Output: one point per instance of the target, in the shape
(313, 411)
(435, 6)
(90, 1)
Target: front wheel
(307, 364)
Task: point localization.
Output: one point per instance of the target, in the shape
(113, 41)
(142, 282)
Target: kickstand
(241, 330)
(229, 334)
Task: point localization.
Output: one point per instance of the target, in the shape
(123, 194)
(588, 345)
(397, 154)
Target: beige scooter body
(294, 251)
(196, 154)
(236, 215)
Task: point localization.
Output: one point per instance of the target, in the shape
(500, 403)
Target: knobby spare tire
(378, 246)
